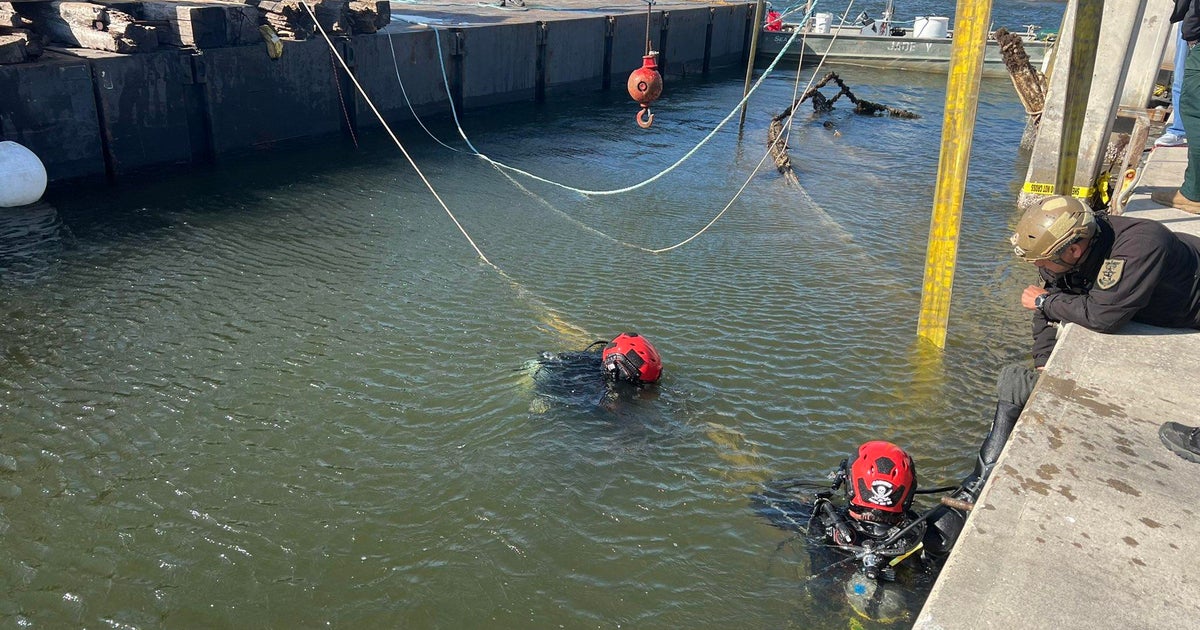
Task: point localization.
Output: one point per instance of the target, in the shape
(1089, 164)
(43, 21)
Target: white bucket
(22, 176)
(933, 27)
(821, 22)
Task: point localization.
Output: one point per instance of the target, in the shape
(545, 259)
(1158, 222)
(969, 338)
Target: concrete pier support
(1074, 131)
(1151, 40)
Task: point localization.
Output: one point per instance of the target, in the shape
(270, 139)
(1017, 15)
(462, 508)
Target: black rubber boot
(1183, 440)
(946, 523)
(1013, 388)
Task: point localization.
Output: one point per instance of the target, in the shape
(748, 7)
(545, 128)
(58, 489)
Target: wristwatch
(1039, 301)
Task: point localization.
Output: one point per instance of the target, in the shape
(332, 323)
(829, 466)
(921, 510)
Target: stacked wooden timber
(201, 24)
(127, 26)
(292, 20)
(89, 25)
(18, 42)
(288, 17)
(369, 17)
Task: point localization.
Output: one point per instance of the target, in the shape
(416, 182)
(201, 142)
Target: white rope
(396, 66)
(736, 108)
(450, 97)
(498, 165)
(551, 319)
(693, 237)
(412, 162)
(518, 185)
(787, 135)
(626, 189)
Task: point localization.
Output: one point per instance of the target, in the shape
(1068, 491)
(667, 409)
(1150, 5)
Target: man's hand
(1030, 294)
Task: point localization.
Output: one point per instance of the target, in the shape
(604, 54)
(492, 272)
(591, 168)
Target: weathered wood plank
(89, 25)
(13, 49)
(368, 16)
(202, 24)
(291, 18)
(331, 14)
(384, 11)
(363, 16)
(33, 42)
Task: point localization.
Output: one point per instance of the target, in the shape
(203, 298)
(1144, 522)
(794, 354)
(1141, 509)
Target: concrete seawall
(88, 113)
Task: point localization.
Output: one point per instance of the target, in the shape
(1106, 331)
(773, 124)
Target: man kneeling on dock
(1102, 271)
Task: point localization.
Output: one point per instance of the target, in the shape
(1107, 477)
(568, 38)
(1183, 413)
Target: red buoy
(645, 86)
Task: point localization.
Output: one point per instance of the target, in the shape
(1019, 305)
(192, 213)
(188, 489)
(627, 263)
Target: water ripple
(292, 395)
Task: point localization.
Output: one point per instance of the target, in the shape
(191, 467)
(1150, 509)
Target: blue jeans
(1181, 54)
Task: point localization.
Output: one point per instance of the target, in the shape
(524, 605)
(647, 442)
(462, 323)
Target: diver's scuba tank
(882, 602)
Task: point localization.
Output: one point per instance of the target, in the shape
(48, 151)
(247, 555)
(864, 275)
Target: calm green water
(286, 392)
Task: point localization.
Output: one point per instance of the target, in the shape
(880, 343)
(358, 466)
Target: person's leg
(1174, 134)
(1013, 388)
(1189, 112)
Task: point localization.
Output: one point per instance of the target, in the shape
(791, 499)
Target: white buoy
(22, 176)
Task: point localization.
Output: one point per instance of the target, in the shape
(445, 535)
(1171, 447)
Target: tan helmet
(1050, 226)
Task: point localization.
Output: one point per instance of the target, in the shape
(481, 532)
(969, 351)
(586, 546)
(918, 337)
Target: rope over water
(549, 316)
(396, 140)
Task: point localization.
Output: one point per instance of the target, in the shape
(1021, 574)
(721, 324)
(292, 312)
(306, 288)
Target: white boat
(926, 46)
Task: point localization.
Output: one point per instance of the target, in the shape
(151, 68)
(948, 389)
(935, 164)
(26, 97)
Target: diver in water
(599, 372)
(866, 512)
(864, 518)
(861, 534)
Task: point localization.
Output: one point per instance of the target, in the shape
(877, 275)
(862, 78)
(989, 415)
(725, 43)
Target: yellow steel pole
(958, 127)
(1085, 40)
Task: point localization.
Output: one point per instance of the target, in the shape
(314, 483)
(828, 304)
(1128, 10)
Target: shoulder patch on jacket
(1110, 273)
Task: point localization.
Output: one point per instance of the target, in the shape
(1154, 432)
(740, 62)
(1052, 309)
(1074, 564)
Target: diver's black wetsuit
(851, 562)
(919, 541)
(571, 376)
(576, 379)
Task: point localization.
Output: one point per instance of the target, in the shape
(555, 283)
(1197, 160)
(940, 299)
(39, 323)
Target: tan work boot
(1175, 199)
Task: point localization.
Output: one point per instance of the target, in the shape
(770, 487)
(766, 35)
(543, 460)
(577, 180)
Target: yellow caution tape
(1036, 188)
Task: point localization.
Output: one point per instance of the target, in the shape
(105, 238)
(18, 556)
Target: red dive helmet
(631, 358)
(882, 477)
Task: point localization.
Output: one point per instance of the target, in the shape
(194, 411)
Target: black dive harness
(880, 546)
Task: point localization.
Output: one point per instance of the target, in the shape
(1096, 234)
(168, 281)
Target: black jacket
(1188, 12)
(1157, 282)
